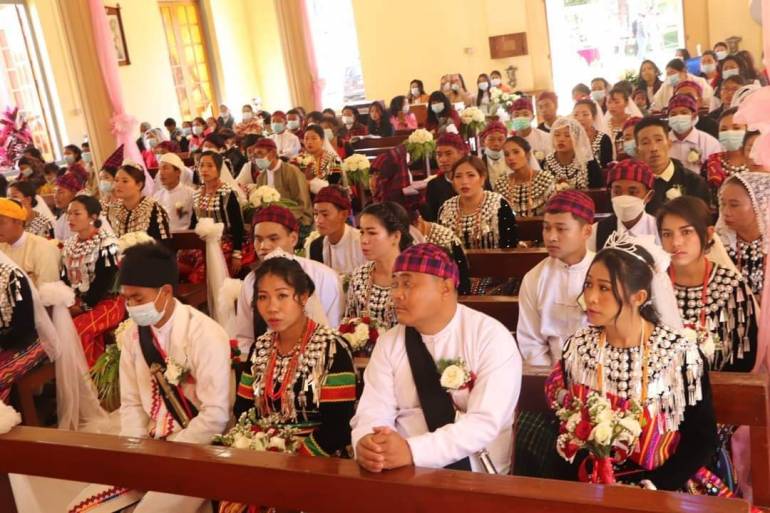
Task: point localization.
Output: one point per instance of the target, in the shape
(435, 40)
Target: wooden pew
(601, 199)
(420, 111)
(193, 294)
(320, 485)
(503, 263)
(372, 147)
(503, 308)
(531, 228)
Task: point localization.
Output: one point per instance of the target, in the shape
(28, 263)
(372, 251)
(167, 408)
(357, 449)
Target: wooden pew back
(503, 308)
(321, 485)
(503, 263)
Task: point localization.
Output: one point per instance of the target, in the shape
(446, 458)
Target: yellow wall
(718, 21)
(270, 67)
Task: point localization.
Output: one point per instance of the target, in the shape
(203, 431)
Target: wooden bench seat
(193, 294)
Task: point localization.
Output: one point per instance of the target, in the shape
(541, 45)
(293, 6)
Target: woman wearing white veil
(572, 163)
(595, 125)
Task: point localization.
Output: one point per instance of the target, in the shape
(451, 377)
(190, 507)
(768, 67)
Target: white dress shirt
(328, 289)
(344, 256)
(169, 199)
(645, 226)
(244, 177)
(548, 308)
(485, 413)
(496, 168)
(40, 258)
(540, 142)
(701, 142)
(666, 91)
(287, 143)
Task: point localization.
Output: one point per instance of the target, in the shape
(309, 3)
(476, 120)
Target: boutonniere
(175, 372)
(455, 374)
(179, 207)
(539, 155)
(703, 339)
(562, 186)
(674, 192)
(693, 156)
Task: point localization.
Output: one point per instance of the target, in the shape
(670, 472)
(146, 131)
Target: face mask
(405, 108)
(152, 142)
(730, 73)
(415, 91)
(681, 123)
(483, 86)
(446, 87)
(105, 186)
(455, 87)
(292, 124)
(186, 131)
(261, 163)
(520, 123)
(598, 96)
(673, 80)
(247, 116)
(721, 55)
(69, 159)
(329, 134)
(27, 171)
(146, 314)
(629, 148)
(86, 156)
(732, 140)
(493, 154)
(348, 120)
(225, 115)
(627, 208)
(496, 82)
(437, 107)
(197, 130)
(278, 127)
(708, 68)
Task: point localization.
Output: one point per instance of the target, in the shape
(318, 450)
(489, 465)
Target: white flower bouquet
(420, 144)
(357, 168)
(473, 120)
(132, 239)
(361, 333)
(263, 196)
(303, 161)
(260, 434)
(455, 374)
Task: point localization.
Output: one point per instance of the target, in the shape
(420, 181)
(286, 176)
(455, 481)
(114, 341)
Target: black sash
(436, 403)
(151, 356)
(317, 249)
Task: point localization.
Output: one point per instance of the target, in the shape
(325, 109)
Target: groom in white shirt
(442, 385)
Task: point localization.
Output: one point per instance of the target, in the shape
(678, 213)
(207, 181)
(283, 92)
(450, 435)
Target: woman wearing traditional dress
(90, 259)
(326, 165)
(744, 200)
(219, 201)
(719, 166)
(572, 163)
(135, 212)
(384, 234)
(602, 149)
(37, 223)
(617, 102)
(525, 189)
(299, 371)
(632, 354)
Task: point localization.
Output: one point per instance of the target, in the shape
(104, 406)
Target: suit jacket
(439, 190)
(292, 184)
(689, 184)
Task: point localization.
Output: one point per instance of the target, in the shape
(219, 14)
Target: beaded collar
(306, 365)
(10, 292)
(80, 258)
(210, 204)
(730, 169)
(749, 257)
(138, 219)
(40, 225)
(370, 299)
(480, 229)
(669, 354)
(596, 145)
(526, 199)
(576, 176)
(442, 236)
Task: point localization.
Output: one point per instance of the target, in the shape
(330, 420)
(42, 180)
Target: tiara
(625, 243)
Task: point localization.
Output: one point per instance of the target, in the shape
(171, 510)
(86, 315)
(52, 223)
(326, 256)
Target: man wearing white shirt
(276, 229)
(548, 297)
(287, 143)
(677, 72)
(689, 145)
(493, 137)
(174, 196)
(339, 244)
(441, 387)
(631, 183)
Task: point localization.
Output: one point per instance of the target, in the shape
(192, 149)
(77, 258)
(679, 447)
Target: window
(20, 79)
(631, 31)
(189, 60)
(335, 45)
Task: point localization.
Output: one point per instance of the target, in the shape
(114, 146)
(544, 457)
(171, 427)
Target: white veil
(580, 142)
(758, 186)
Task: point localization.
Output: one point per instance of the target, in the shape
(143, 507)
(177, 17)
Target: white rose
(673, 193)
(603, 416)
(362, 331)
(259, 442)
(453, 377)
(690, 334)
(173, 373)
(693, 156)
(573, 421)
(353, 340)
(277, 442)
(631, 425)
(241, 442)
(601, 433)
(708, 346)
(539, 155)
(8, 418)
(178, 205)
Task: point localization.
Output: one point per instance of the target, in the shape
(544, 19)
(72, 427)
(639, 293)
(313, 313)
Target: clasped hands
(384, 449)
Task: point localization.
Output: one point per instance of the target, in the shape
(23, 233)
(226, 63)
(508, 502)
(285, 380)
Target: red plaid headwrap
(71, 181)
(682, 100)
(575, 202)
(689, 83)
(335, 196)
(523, 103)
(453, 140)
(492, 127)
(548, 95)
(279, 114)
(631, 122)
(266, 142)
(631, 169)
(114, 160)
(276, 214)
(427, 259)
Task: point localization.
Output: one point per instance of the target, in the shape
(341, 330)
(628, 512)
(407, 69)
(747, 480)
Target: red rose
(345, 328)
(366, 320)
(584, 415)
(374, 334)
(583, 430)
(570, 449)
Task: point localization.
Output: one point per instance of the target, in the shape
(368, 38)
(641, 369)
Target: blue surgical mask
(105, 186)
(483, 86)
(146, 314)
(708, 68)
(727, 73)
(86, 156)
(493, 154)
(438, 108)
(262, 164)
(520, 123)
(152, 142)
(673, 80)
(629, 148)
(187, 131)
(278, 127)
(721, 55)
(681, 123)
(292, 124)
(732, 140)
(598, 96)
(69, 159)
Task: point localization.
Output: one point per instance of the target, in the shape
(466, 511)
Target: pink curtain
(122, 123)
(317, 83)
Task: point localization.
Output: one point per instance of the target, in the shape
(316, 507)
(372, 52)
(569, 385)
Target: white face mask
(415, 91)
(348, 120)
(483, 86)
(247, 116)
(405, 108)
(627, 208)
(496, 82)
(146, 314)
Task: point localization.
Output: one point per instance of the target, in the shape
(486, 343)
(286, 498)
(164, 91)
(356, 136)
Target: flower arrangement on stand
(361, 333)
(473, 122)
(260, 434)
(15, 136)
(357, 168)
(609, 435)
(303, 161)
(421, 144)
